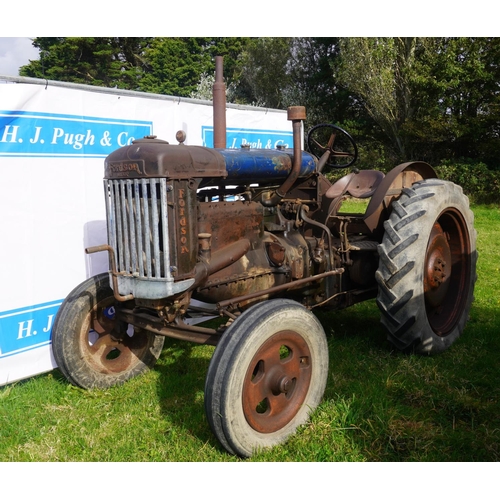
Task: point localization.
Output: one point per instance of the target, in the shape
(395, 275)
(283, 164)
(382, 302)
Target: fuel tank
(261, 165)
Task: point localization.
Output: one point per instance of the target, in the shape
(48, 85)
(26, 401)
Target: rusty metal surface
(232, 259)
(277, 381)
(446, 271)
(153, 324)
(276, 253)
(276, 289)
(360, 184)
(295, 114)
(437, 267)
(156, 158)
(219, 105)
(107, 344)
(229, 221)
(219, 261)
(403, 175)
(114, 272)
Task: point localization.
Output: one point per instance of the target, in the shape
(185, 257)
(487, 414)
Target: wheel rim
(277, 382)
(447, 272)
(110, 346)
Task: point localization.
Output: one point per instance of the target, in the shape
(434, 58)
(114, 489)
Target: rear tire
(427, 267)
(92, 348)
(268, 373)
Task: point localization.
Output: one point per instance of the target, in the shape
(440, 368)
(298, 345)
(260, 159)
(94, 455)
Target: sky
(14, 53)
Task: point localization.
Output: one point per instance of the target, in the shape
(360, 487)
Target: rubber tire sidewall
(230, 362)
(412, 218)
(71, 315)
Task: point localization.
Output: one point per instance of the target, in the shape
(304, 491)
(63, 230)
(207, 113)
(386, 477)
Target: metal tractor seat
(361, 184)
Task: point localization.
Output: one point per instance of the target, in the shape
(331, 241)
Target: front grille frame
(137, 213)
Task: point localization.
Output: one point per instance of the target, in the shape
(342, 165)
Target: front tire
(267, 375)
(427, 267)
(91, 347)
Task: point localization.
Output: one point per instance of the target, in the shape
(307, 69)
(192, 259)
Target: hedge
(479, 183)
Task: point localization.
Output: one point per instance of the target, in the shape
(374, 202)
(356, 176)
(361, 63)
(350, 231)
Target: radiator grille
(137, 215)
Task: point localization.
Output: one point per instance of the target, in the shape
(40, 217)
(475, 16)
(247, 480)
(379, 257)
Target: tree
(162, 65)
(460, 85)
(378, 71)
(265, 72)
(176, 66)
(434, 98)
(282, 72)
(103, 61)
(313, 67)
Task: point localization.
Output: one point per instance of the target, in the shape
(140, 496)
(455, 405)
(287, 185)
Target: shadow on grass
(183, 367)
(416, 408)
(379, 405)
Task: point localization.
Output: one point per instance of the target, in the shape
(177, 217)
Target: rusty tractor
(259, 238)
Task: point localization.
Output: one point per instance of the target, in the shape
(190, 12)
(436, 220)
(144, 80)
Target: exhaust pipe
(296, 114)
(219, 104)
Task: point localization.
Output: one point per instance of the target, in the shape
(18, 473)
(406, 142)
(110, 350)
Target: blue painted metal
(260, 165)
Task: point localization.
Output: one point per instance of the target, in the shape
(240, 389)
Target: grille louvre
(138, 226)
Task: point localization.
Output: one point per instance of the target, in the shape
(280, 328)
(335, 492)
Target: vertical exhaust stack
(219, 105)
(295, 114)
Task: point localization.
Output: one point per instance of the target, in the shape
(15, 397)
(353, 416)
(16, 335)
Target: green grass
(379, 405)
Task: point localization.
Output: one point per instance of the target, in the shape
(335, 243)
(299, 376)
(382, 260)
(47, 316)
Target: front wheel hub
(277, 382)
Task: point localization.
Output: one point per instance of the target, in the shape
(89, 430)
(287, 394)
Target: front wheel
(267, 375)
(91, 347)
(427, 267)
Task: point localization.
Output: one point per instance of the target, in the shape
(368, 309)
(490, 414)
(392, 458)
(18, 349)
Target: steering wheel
(334, 147)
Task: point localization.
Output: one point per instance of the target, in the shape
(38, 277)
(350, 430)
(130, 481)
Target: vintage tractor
(258, 239)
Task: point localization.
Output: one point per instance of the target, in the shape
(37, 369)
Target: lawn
(379, 405)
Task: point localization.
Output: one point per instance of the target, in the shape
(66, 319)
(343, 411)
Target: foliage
(107, 62)
(431, 99)
(313, 68)
(480, 183)
(175, 65)
(265, 70)
(458, 84)
(204, 88)
(282, 72)
(435, 98)
(377, 71)
(161, 65)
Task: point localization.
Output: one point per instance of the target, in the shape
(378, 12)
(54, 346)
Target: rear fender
(391, 187)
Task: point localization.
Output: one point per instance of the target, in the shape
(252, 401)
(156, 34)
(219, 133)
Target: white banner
(53, 141)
